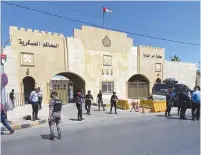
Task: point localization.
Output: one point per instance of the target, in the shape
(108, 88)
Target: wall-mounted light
(107, 71)
(103, 72)
(111, 71)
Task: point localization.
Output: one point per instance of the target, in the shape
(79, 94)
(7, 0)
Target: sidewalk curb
(25, 125)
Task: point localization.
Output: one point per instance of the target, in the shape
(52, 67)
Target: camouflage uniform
(55, 115)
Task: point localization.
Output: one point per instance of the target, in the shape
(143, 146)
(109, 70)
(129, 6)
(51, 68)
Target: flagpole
(103, 17)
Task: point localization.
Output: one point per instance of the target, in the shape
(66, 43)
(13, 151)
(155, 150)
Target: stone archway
(68, 88)
(29, 85)
(138, 87)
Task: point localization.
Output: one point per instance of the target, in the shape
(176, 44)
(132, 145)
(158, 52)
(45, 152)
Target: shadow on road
(45, 137)
(169, 117)
(73, 119)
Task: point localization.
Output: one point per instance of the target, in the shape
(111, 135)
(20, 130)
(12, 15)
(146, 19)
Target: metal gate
(61, 87)
(138, 90)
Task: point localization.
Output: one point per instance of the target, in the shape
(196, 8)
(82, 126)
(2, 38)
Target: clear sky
(171, 20)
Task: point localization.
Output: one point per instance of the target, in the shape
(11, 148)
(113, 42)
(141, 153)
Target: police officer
(88, 100)
(169, 101)
(196, 103)
(79, 106)
(184, 99)
(100, 100)
(55, 107)
(113, 102)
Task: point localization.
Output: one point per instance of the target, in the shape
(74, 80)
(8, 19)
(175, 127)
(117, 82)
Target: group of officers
(55, 107)
(87, 99)
(183, 99)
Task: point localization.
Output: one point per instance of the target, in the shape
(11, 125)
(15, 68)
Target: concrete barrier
(123, 104)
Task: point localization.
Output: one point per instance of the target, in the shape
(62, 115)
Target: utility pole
(2, 90)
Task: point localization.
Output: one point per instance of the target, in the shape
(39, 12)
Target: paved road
(146, 135)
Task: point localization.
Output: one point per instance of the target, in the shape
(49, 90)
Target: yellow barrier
(123, 104)
(158, 106)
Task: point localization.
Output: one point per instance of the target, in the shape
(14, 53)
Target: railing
(19, 99)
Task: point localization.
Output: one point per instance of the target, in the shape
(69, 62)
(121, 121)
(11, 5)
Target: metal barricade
(19, 99)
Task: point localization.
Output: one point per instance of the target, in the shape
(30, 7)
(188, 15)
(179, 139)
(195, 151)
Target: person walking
(79, 103)
(88, 100)
(169, 101)
(113, 102)
(184, 99)
(40, 95)
(82, 96)
(55, 107)
(100, 100)
(12, 97)
(4, 119)
(34, 99)
(196, 103)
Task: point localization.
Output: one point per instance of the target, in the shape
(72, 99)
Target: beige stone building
(93, 59)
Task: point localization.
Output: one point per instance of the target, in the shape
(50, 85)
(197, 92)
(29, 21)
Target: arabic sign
(45, 44)
(4, 80)
(152, 56)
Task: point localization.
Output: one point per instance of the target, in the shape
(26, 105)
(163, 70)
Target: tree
(175, 58)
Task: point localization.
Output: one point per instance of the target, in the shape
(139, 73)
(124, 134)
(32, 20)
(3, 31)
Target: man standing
(79, 103)
(113, 102)
(82, 96)
(12, 97)
(40, 95)
(88, 100)
(196, 103)
(100, 100)
(183, 101)
(55, 107)
(34, 99)
(169, 101)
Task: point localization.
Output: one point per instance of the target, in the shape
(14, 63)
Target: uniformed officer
(183, 101)
(100, 100)
(55, 107)
(113, 102)
(88, 100)
(79, 106)
(169, 101)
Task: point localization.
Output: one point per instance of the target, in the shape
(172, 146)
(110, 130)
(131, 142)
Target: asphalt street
(144, 135)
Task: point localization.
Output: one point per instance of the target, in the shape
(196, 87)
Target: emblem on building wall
(158, 67)
(106, 41)
(107, 60)
(27, 59)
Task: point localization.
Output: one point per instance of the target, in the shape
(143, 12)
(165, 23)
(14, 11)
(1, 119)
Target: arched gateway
(67, 87)
(138, 86)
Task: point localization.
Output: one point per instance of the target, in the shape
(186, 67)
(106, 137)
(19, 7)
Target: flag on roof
(106, 10)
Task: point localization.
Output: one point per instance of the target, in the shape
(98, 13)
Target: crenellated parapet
(151, 48)
(12, 28)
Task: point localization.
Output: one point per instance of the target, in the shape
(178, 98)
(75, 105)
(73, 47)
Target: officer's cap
(114, 92)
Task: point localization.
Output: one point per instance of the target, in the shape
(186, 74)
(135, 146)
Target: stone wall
(183, 72)
(150, 63)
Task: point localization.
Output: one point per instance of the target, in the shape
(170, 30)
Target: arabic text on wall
(45, 44)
